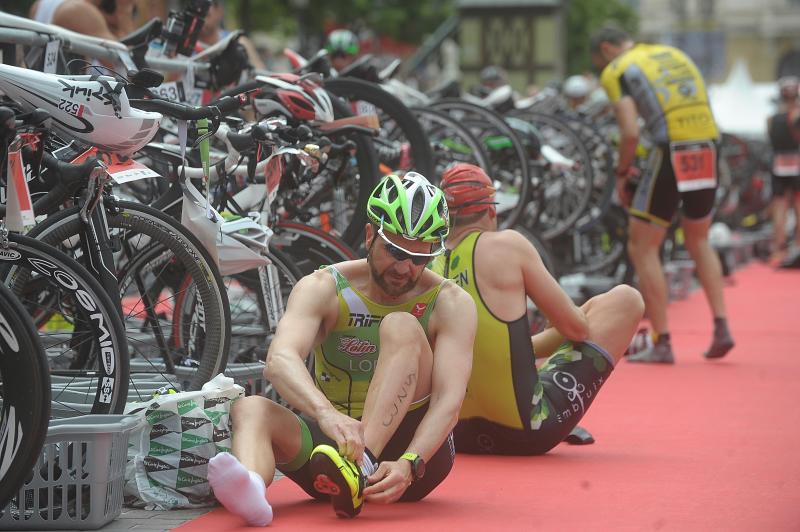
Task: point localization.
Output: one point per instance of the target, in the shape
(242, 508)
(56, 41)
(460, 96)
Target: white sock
(367, 465)
(240, 491)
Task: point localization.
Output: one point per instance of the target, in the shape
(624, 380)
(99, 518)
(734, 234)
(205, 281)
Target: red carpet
(697, 446)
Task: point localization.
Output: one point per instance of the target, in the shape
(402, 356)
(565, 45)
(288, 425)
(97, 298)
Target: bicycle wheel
(308, 247)
(251, 332)
(602, 161)
(24, 395)
(78, 325)
(597, 249)
(565, 187)
(507, 152)
(451, 142)
(154, 254)
(402, 144)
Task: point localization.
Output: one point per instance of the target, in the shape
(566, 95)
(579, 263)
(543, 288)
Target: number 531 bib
(694, 164)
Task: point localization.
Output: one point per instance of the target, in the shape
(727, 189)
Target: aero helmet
(89, 108)
(577, 87)
(468, 189)
(409, 206)
(493, 75)
(342, 42)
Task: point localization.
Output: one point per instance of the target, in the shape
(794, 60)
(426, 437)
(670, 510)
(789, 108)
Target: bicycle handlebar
(182, 111)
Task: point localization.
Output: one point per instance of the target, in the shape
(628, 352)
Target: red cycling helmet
(302, 98)
(468, 190)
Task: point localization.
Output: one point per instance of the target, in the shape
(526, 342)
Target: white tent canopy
(741, 106)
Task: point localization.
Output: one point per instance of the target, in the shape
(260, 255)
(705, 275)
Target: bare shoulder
(81, 17)
(319, 283)
(506, 243)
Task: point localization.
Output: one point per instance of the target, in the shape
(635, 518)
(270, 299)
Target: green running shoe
(340, 478)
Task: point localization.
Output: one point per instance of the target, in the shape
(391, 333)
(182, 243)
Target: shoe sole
(328, 479)
(719, 350)
(651, 361)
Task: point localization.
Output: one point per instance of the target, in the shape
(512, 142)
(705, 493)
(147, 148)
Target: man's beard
(380, 280)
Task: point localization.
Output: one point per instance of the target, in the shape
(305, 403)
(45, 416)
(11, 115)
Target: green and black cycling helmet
(409, 206)
(342, 42)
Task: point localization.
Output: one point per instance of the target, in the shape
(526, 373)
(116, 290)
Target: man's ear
(607, 50)
(369, 234)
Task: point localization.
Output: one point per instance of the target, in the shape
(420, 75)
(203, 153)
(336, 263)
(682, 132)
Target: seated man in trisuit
(392, 348)
(510, 406)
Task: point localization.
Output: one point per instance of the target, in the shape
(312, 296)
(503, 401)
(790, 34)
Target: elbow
(272, 367)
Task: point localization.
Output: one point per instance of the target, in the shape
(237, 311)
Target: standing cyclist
(510, 406)
(392, 346)
(663, 86)
(784, 136)
(343, 47)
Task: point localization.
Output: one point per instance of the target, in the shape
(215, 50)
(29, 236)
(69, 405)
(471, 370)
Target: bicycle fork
(271, 292)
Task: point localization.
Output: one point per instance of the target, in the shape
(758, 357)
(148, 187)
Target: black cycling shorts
(436, 469)
(657, 197)
(567, 384)
(781, 185)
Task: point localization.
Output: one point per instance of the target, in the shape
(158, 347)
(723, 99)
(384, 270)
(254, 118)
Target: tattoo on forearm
(395, 409)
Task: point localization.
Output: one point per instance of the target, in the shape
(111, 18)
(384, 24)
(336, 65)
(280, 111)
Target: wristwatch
(417, 465)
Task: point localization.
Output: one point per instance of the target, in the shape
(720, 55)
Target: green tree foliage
(586, 16)
(405, 20)
(16, 7)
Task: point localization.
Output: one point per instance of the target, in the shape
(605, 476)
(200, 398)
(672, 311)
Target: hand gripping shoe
(340, 478)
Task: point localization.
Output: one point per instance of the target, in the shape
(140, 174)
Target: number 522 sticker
(75, 109)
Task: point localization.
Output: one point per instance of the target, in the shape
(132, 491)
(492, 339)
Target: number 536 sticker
(694, 164)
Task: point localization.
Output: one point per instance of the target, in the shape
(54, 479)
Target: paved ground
(146, 521)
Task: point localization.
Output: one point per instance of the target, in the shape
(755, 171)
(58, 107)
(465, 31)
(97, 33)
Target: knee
(694, 241)
(629, 300)
(638, 247)
(401, 328)
(250, 409)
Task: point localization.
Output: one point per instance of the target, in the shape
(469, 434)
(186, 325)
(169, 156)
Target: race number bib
(786, 164)
(124, 171)
(694, 164)
(171, 90)
(51, 56)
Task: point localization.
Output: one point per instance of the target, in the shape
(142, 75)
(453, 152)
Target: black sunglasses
(400, 255)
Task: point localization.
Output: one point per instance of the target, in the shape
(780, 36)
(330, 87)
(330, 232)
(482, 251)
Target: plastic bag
(168, 460)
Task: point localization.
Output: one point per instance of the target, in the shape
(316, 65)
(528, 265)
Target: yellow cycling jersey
(668, 89)
(503, 376)
(345, 361)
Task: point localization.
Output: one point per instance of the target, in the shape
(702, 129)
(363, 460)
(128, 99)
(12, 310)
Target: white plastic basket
(77, 481)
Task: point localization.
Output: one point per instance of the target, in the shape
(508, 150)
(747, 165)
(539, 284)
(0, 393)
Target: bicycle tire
(510, 163)
(309, 248)
(24, 395)
(389, 106)
(136, 219)
(451, 142)
(252, 323)
(573, 195)
(96, 377)
(603, 179)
